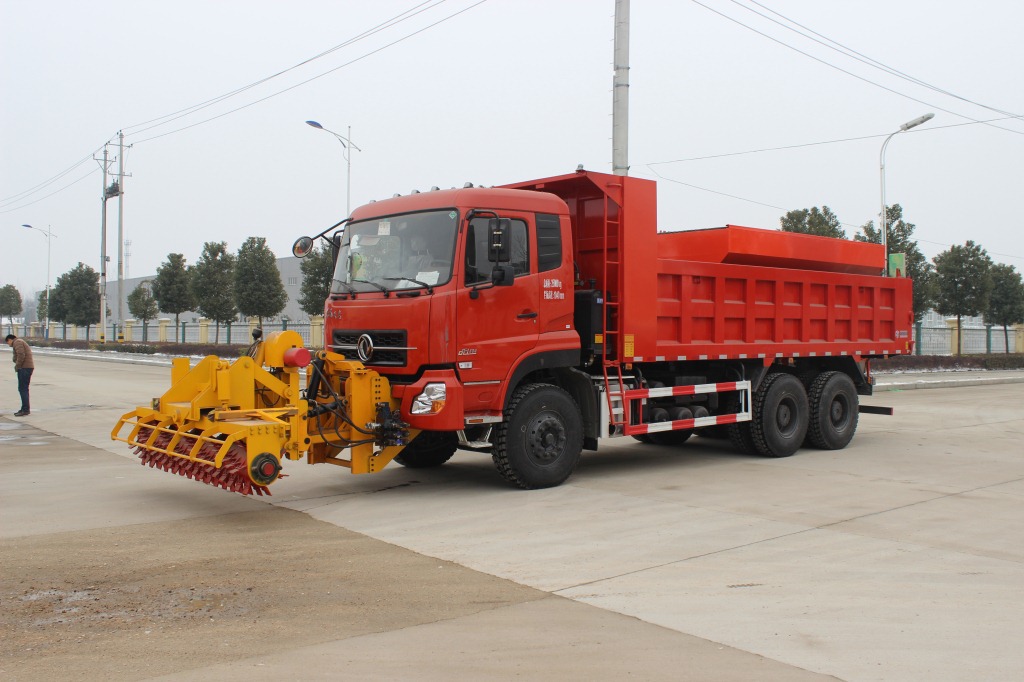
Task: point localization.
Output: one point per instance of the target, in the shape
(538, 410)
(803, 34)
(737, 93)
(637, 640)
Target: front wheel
(428, 449)
(539, 443)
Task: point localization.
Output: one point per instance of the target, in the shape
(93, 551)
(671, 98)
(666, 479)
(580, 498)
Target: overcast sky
(495, 92)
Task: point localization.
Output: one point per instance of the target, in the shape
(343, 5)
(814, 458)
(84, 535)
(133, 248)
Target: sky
(738, 117)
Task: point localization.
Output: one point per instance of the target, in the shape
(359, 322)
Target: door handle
(526, 316)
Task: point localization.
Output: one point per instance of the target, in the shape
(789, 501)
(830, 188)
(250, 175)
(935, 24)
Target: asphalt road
(899, 558)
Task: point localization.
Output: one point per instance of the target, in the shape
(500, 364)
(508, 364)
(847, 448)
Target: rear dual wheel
(834, 411)
(780, 415)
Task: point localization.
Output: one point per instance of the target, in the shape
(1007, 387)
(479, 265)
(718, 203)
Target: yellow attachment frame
(256, 403)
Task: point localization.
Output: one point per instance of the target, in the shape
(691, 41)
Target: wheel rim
(547, 439)
(839, 412)
(785, 417)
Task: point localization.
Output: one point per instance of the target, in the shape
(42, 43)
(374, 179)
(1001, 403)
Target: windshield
(409, 251)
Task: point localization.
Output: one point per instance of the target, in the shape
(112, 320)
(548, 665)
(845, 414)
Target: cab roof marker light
(434, 188)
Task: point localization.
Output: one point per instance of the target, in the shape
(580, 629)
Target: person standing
(23, 366)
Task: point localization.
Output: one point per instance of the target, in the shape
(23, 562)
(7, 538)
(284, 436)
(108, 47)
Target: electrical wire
(780, 208)
(36, 201)
(45, 183)
(407, 14)
(814, 144)
(393, 21)
(863, 58)
(309, 80)
(849, 73)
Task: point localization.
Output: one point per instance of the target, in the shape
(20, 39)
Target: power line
(814, 144)
(309, 80)
(393, 21)
(21, 206)
(863, 58)
(407, 14)
(780, 208)
(45, 183)
(849, 73)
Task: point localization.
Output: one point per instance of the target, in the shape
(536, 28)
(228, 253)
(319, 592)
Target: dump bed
(725, 293)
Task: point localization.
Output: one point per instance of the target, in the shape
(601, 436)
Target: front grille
(390, 346)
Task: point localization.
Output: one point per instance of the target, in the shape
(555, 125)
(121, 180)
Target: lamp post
(346, 142)
(881, 162)
(49, 237)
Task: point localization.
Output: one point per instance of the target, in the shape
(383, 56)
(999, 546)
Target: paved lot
(899, 558)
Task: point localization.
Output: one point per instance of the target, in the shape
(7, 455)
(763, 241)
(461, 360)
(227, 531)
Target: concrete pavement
(898, 558)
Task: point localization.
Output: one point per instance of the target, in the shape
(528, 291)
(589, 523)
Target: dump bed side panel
(719, 311)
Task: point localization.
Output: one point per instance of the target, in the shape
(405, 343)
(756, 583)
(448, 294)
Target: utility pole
(620, 91)
(120, 236)
(103, 251)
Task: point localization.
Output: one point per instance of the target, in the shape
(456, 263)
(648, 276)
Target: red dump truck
(552, 315)
(539, 319)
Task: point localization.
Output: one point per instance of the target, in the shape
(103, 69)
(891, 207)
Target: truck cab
(456, 290)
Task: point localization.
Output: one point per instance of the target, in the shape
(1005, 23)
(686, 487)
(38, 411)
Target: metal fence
(976, 340)
(185, 332)
(927, 340)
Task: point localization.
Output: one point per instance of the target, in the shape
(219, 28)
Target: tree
(171, 289)
(899, 235)
(76, 298)
(42, 306)
(964, 282)
(317, 272)
(1006, 303)
(823, 223)
(212, 285)
(143, 306)
(259, 291)
(10, 304)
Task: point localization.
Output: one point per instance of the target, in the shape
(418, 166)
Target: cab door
(500, 325)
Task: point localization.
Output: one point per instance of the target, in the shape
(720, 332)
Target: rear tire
(834, 411)
(428, 449)
(780, 415)
(539, 443)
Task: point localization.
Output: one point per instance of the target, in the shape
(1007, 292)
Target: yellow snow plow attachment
(231, 424)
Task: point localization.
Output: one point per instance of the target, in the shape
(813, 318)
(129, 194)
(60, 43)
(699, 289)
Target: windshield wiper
(429, 288)
(387, 292)
(351, 289)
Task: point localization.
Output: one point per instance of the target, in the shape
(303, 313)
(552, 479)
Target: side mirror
(503, 275)
(302, 247)
(499, 247)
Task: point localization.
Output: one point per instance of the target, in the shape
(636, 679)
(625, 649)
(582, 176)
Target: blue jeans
(24, 377)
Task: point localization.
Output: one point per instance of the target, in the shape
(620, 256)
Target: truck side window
(549, 242)
(478, 268)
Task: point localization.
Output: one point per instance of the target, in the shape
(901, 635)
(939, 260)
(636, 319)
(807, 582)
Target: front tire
(539, 443)
(428, 449)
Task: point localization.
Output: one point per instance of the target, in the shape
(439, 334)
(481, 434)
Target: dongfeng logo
(364, 347)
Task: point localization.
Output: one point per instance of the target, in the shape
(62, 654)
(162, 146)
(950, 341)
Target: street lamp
(346, 142)
(49, 236)
(881, 162)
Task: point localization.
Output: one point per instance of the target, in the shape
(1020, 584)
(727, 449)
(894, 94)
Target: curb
(946, 383)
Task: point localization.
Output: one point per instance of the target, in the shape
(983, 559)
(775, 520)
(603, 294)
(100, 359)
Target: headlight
(431, 400)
